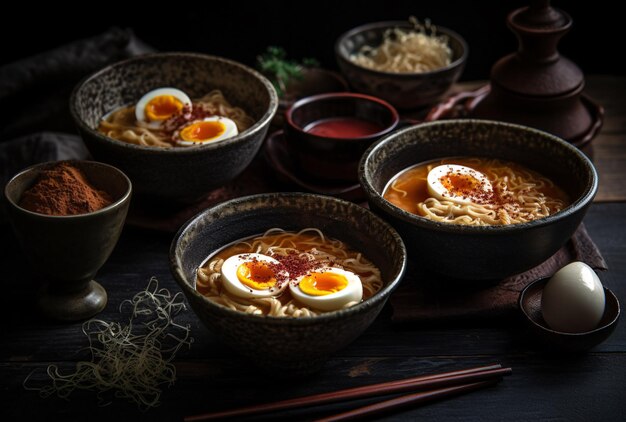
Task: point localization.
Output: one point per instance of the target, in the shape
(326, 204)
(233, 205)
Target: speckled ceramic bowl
(174, 173)
(488, 252)
(403, 90)
(67, 251)
(291, 346)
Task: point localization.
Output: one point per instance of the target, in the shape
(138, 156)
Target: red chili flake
(471, 188)
(295, 265)
(187, 115)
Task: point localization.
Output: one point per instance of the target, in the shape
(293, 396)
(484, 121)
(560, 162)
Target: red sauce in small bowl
(343, 127)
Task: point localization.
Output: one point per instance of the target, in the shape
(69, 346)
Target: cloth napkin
(35, 123)
(424, 297)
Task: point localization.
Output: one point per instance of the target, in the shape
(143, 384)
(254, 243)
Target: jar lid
(537, 68)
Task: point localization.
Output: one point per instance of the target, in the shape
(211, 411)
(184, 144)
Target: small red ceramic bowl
(326, 134)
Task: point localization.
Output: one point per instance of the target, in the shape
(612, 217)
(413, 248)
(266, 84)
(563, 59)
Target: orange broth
(412, 180)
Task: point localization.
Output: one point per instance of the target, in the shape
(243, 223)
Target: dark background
(240, 30)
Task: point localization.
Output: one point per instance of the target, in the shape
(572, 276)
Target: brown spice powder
(63, 190)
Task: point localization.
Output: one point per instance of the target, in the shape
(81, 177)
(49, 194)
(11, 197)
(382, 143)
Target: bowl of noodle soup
(521, 194)
(279, 333)
(103, 106)
(407, 68)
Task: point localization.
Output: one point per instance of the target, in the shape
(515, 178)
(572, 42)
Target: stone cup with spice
(68, 217)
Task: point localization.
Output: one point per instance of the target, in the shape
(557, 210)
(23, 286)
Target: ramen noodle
(288, 274)
(415, 50)
(165, 117)
(475, 191)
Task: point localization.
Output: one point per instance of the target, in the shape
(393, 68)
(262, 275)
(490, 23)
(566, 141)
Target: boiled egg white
(573, 299)
(160, 104)
(327, 289)
(459, 184)
(253, 275)
(210, 129)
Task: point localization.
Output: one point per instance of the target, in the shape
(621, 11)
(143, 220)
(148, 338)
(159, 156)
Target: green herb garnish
(280, 70)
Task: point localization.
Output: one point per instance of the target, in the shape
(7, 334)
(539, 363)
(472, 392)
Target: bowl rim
(373, 195)
(607, 292)
(343, 96)
(259, 124)
(402, 24)
(382, 294)
(40, 166)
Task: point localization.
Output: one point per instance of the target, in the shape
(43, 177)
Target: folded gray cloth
(34, 92)
(35, 122)
(37, 148)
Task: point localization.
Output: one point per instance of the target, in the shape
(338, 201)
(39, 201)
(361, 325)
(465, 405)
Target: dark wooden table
(211, 377)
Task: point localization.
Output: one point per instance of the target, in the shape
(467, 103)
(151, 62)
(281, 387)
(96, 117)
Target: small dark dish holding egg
(299, 340)
(327, 133)
(404, 90)
(569, 311)
(200, 148)
(481, 251)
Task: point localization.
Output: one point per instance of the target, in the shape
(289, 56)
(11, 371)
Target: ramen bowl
(480, 252)
(291, 346)
(179, 173)
(402, 90)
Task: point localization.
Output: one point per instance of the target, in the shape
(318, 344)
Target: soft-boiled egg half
(160, 104)
(460, 184)
(327, 289)
(210, 129)
(253, 275)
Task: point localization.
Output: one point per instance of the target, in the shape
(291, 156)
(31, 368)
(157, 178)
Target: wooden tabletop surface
(211, 377)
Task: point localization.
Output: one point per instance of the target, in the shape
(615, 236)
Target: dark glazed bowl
(403, 90)
(530, 305)
(174, 173)
(329, 158)
(488, 252)
(69, 250)
(290, 345)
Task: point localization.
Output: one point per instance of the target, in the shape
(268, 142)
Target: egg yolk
(163, 107)
(460, 183)
(203, 131)
(324, 283)
(256, 275)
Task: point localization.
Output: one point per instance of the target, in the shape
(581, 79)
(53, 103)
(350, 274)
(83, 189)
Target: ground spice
(63, 190)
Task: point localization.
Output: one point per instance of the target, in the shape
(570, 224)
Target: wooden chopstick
(406, 400)
(464, 376)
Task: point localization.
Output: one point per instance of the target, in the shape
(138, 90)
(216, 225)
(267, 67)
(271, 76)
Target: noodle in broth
(122, 125)
(309, 245)
(519, 194)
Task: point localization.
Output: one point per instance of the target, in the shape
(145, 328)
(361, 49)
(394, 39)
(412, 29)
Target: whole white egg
(327, 289)
(573, 299)
(253, 275)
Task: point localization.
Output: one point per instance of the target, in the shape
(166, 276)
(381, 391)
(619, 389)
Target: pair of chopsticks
(424, 389)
